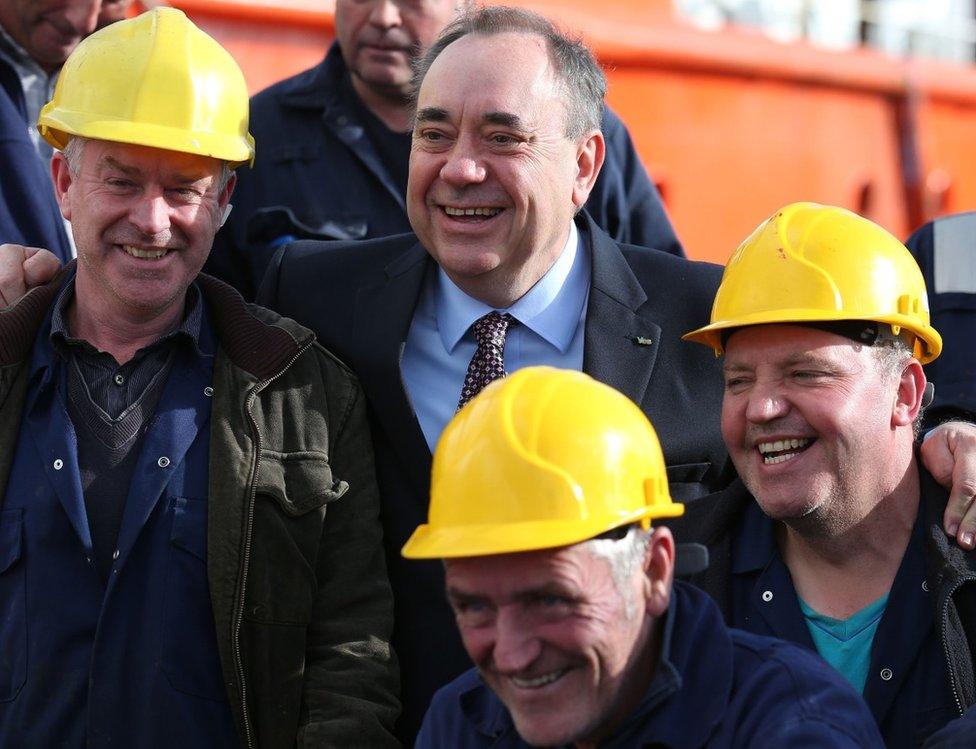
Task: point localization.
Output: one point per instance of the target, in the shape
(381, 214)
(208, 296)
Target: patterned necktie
(488, 362)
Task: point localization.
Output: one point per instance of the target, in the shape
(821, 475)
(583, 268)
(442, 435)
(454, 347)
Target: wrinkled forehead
(505, 576)
(788, 342)
(499, 72)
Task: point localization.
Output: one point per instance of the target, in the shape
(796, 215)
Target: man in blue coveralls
(833, 536)
(169, 575)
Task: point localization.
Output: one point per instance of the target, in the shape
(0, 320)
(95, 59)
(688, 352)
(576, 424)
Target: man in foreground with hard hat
(543, 490)
(189, 547)
(833, 536)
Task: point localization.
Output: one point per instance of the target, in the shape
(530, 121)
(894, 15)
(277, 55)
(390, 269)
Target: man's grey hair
(576, 70)
(75, 147)
(625, 557)
(892, 354)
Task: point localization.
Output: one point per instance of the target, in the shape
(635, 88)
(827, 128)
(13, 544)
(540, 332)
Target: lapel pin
(642, 341)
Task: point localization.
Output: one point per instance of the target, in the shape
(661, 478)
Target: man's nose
(82, 16)
(516, 646)
(766, 403)
(385, 14)
(150, 215)
(462, 167)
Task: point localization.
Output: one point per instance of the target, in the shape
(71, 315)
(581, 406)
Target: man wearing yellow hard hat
(543, 491)
(189, 547)
(833, 536)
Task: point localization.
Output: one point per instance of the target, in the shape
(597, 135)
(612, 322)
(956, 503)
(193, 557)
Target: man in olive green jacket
(295, 567)
(190, 550)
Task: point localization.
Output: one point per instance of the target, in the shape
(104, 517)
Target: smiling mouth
(539, 681)
(780, 451)
(154, 253)
(479, 213)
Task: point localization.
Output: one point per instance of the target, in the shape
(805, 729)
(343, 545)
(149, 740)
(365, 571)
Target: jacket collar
(620, 339)
(317, 88)
(695, 650)
(256, 340)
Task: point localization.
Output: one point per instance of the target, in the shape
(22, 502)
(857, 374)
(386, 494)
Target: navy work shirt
(907, 687)
(131, 662)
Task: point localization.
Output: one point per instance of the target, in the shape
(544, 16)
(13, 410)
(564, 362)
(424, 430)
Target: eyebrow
(116, 164)
(805, 358)
(505, 119)
(431, 114)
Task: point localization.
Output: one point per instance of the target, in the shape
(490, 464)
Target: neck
(119, 335)
(839, 572)
(392, 108)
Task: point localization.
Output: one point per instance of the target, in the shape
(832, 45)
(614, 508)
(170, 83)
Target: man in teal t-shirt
(832, 536)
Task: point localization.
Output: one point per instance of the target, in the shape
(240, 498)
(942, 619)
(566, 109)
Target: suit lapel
(619, 344)
(382, 320)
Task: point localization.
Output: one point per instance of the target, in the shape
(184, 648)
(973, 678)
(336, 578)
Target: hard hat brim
(234, 150)
(711, 335)
(487, 540)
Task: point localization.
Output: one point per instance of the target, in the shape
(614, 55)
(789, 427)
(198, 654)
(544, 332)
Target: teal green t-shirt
(846, 643)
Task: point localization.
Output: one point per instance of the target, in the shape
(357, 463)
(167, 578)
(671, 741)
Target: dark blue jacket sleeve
(953, 313)
(624, 202)
(29, 212)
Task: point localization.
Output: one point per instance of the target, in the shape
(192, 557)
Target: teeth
(780, 451)
(471, 211)
(144, 254)
(778, 445)
(539, 681)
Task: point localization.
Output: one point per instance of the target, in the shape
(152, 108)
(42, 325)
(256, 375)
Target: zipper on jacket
(945, 644)
(248, 529)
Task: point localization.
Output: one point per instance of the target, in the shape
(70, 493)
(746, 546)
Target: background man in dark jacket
(188, 512)
(563, 593)
(35, 38)
(335, 141)
(833, 539)
(946, 253)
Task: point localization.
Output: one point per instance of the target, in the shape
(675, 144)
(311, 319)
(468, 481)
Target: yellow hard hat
(153, 80)
(811, 263)
(540, 459)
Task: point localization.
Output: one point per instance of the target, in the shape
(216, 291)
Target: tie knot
(490, 329)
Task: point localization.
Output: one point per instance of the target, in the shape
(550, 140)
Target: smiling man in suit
(504, 272)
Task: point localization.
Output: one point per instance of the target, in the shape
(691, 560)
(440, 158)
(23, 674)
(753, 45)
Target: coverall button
(58, 464)
(767, 595)
(163, 462)
(886, 674)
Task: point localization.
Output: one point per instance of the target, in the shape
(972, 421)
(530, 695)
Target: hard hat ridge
(154, 80)
(540, 459)
(811, 263)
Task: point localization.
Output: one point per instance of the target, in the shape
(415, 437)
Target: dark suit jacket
(359, 298)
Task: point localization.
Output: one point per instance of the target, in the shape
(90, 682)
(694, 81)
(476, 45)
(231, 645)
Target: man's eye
(501, 139)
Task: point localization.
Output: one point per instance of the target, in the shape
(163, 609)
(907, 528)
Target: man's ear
(224, 197)
(659, 571)
(62, 177)
(908, 399)
(589, 160)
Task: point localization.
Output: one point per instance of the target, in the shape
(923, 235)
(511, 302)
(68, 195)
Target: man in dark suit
(498, 171)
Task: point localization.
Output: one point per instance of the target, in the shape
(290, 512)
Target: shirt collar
(189, 328)
(551, 308)
(753, 540)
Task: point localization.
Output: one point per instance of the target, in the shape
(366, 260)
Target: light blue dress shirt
(440, 343)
